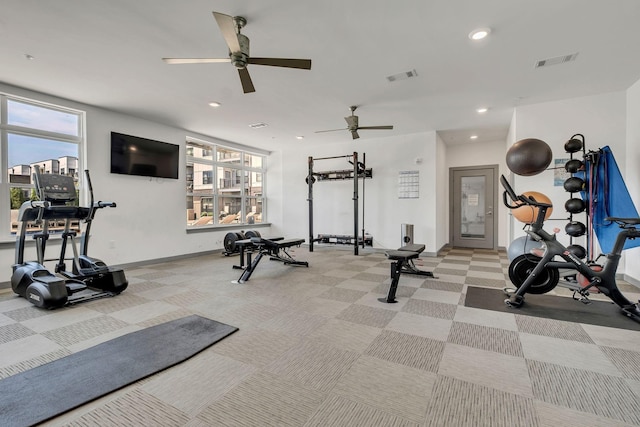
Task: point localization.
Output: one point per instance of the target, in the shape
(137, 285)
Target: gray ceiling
(108, 54)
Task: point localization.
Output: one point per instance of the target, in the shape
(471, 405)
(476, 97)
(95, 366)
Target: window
(34, 134)
(227, 181)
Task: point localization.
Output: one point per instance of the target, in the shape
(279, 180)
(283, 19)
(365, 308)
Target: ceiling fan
(353, 127)
(238, 43)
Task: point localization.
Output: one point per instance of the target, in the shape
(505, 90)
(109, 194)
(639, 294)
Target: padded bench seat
(276, 249)
(409, 267)
(401, 255)
(413, 248)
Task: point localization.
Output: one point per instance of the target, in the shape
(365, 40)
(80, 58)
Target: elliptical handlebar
(100, 205)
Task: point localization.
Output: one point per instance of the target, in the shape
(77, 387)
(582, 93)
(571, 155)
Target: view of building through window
(35, 135)
(224, 185)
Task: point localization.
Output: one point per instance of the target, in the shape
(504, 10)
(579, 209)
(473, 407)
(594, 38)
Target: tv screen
(132, 155)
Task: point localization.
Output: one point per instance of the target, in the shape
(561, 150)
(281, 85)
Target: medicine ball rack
(573, 185)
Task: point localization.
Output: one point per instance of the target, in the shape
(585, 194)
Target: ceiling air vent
(402, 76)
(258, 125)
(556, 60)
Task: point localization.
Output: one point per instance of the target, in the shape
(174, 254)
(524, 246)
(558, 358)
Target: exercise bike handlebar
(519, 200)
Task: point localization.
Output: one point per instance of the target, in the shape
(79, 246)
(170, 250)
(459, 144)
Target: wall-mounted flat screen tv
(132, 155)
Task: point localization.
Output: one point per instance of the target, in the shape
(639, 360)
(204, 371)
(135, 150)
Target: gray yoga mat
(49, 390)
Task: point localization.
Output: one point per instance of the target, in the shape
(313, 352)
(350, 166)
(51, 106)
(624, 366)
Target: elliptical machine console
(89, 278)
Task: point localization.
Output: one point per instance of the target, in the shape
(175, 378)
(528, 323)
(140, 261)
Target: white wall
(632, 171)
(481, 154)
(150, 219)
(384, 211)
(442, 194)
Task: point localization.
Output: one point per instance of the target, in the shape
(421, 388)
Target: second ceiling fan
(353, 125)
(238, 43)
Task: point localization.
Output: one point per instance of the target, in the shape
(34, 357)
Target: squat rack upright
(359, 169)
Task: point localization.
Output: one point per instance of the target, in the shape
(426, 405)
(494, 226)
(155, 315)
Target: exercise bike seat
(626, 221)
(412, 248)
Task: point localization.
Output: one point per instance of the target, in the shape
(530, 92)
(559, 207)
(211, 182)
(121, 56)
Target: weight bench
(275, 249)
(409, 267)
(400, 260)
(247, 245)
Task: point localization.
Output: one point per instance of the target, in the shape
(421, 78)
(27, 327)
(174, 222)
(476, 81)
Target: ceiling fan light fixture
(479, 33)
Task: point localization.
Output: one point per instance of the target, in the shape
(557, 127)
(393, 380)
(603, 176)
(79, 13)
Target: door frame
(496, 170)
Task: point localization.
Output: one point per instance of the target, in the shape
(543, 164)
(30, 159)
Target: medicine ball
(520, 246)
(575, 229)
(573, 165)
(529, 214)
(574, 205)
(529, 157)
(573, 146)
(574, 184)
(578, 251)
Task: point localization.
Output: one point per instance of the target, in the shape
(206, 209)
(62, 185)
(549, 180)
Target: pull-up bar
(334, 157)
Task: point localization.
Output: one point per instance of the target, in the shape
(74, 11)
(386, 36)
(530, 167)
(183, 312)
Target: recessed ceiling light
(473, 137)
(479, 34)
(299, 137)
(29, 57)
(482, 110)
(215, 104)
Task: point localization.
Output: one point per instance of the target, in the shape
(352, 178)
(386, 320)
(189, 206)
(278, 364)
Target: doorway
(473, 223)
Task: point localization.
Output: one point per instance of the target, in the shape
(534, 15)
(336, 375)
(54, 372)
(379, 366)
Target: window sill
(219, 227)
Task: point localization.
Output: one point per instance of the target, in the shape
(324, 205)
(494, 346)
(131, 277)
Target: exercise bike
(89, 278)
(538, 273)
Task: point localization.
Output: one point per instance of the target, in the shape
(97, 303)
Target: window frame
(238, 170)
(7, 129)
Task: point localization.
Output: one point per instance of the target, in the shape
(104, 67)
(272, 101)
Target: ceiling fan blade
(331, 130)
(194, 60)
(228, 29)
(245, 79)
(304, 64)
(375, 127)
(354, 134)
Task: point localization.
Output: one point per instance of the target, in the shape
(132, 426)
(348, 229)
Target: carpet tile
(317, 348)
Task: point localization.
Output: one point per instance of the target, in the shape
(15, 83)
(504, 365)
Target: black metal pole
(355, 203)
(310, 200)
(364, 177)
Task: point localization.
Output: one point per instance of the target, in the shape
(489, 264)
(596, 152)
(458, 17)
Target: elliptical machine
(89, 278)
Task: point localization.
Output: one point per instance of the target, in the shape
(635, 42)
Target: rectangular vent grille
(258, 125)
(402, 76)
(556, 60)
